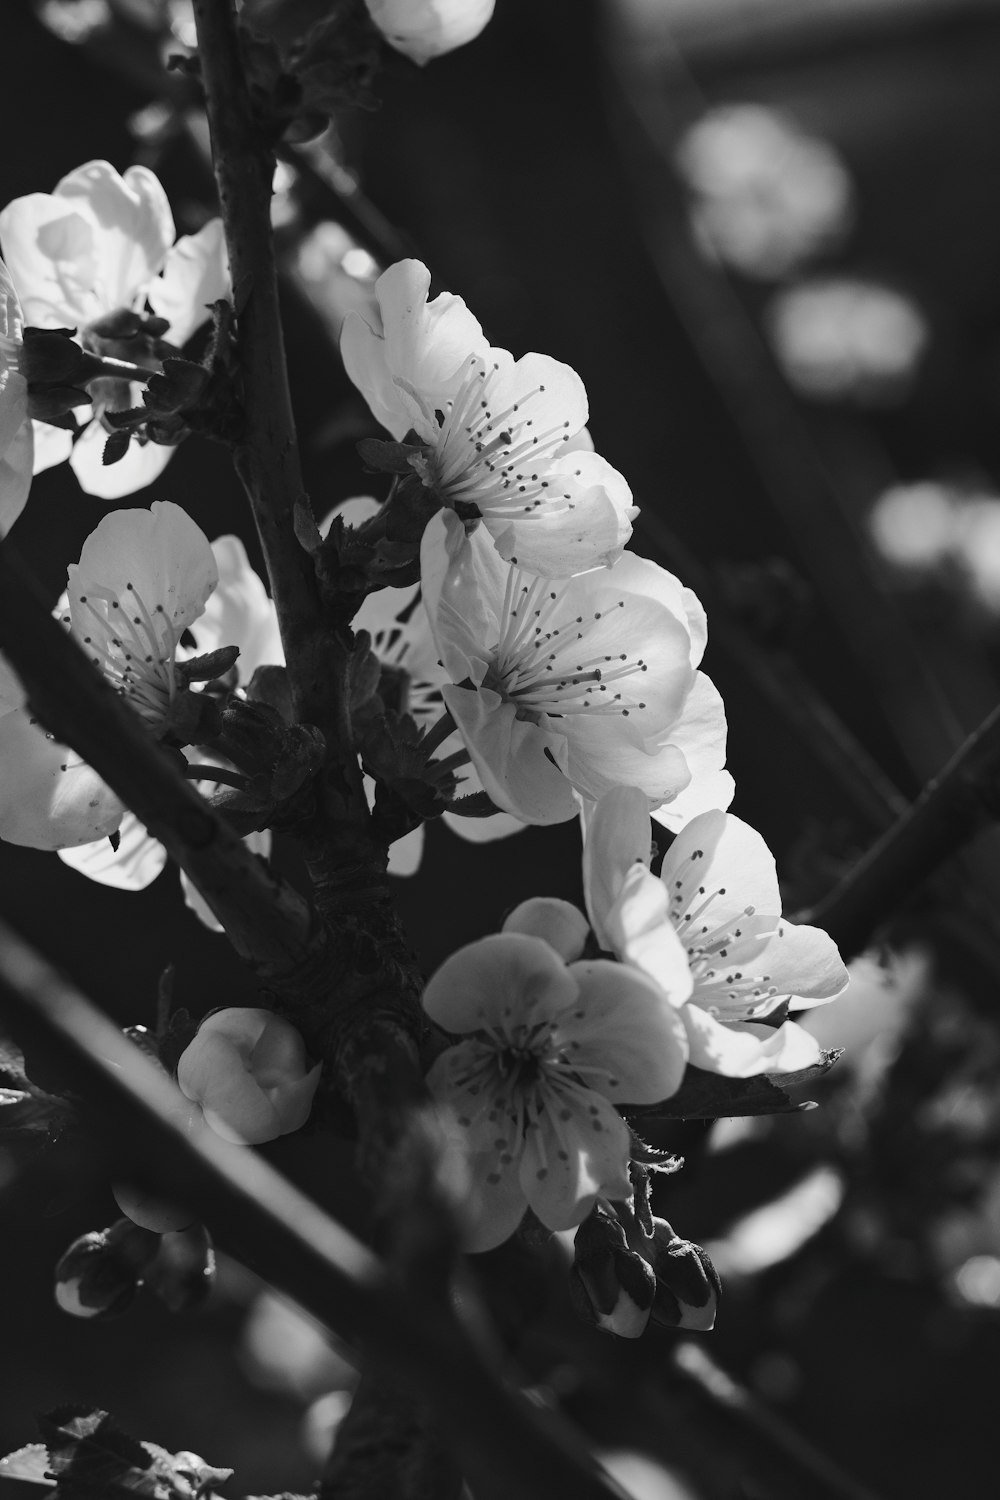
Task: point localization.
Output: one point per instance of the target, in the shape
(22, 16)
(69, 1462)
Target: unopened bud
(687, 1283)
(149, 1211)
(611, 1286)
(51, 356)
(247, 1070)
(100, 1273)
(183, 1272)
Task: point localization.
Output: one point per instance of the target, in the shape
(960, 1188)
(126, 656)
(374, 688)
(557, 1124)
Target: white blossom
(548, 1052)
(99, 243)
(142, 580)
(562, 689)
(505, 440)
(16, 441)
(709, 931)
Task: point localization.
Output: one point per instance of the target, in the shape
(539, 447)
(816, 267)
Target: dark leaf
(710, 1096)
(115, 448)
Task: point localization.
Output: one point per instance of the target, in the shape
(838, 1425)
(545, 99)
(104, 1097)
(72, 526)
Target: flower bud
(422, 29)
(247, 1070)
(51, 356)
(687, 1284)
(100, 1273)
(611, 1286)
(148, 1211)
(183, 1273)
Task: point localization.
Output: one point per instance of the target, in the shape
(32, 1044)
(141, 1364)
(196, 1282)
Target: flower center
(546, 661)
(490, 451)
(708, 951)
(134, 648)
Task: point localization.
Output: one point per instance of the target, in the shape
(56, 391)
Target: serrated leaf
(711, 1096)
(93, 1460)
(29, 1465)
(115, 448)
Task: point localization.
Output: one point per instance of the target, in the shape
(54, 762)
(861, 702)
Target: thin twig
(951, 809)
(506, 1447)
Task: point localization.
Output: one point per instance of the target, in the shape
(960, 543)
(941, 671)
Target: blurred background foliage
(767, 235)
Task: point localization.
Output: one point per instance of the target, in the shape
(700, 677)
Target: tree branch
(505, 1446)
(951, 809)
(269, 924)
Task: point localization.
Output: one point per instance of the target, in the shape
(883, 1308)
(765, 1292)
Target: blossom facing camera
(247, 1070)
(422, 29)
(547, 1051)
(611, 1285)
(687, 1283)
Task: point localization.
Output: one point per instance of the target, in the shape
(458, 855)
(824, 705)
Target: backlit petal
(624, 1036)
(503, 981)
(135, 864)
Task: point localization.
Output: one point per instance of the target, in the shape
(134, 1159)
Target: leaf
(92, 1459)
(711, 1096)
(28, 1465)
(115, 448)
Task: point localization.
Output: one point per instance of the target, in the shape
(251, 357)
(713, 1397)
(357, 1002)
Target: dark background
(519, 169)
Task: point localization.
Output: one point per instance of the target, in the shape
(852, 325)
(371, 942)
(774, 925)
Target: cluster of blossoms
(555, 670)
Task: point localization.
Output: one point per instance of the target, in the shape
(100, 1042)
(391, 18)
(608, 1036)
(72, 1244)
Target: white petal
(721, 858)
(625, 1037)
(48, 798)
(239, 612)
(422, 343)
(700, 735)
(161, 553)
(556, 922)
(642, 934)
(617, 837)
(504, 980)
(510, 756)
(406, 854)
(578, 1150)
(481, 830)
(52, 445)
(586, 526)
(49, 247)
(132, 225)
(195, 275)
(136, 863)
(741, 1050)
(142, 463)
(16, 448)
(423, 29)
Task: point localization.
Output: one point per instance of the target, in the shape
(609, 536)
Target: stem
(118, 369)
(216, 773)
(438, 733)
(507, 1447)
(950, 810)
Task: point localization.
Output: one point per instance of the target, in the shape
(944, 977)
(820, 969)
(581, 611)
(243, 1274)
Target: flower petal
(423, 29)
(53, 445)
(577, 1151)
(700, 735)
(17, 448)
(558, 923)
(48, 798)
(587, 525)
(195, 275)
(135, 864)
(625, 1037)
(239, 612)
(742, 1050)
(406, 853)
(502, 980)
(720, 868)
(518, 762)
(133, 227)
(642, 934)
(617, 837)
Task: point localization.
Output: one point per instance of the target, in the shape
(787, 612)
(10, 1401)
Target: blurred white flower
(915, 526)
(977, 548)
(16, 442)
(766, 195)
(839, 338)
(424, 29)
